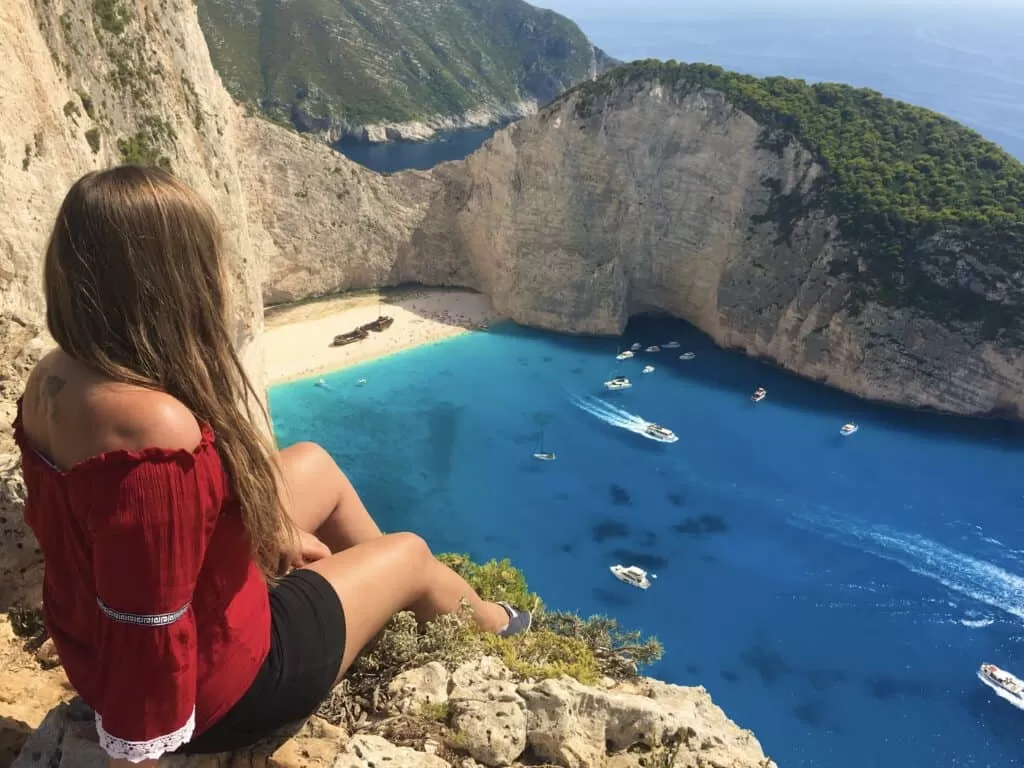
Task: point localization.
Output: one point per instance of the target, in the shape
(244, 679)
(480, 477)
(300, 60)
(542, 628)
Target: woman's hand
(305, 549)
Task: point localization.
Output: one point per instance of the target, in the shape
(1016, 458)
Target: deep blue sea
(403, 155)
(835, 595)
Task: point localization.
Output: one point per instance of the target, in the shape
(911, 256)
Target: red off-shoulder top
(159, 614)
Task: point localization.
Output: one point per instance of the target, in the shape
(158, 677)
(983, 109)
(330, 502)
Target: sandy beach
(297, 337)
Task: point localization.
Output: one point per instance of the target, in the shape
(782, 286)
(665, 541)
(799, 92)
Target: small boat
(687, 356)
(624, 355)
(633, 575)
(636, 346)
(759, 394)
(540, 453)
(360, 382)
(618, 382)
(1008, 686)
(671, 345)
(321, 383)
(653, 348)
(648, 369)
(848, 429)
(660, 433)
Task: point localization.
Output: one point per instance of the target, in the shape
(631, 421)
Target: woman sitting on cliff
(164, 516)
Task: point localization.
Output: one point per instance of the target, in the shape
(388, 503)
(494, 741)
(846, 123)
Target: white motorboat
(361, 382)
(619, 382)
(636, 346)
(653, 348)
(648, 369)
(1006, 685)
(848, 429)
(671, 345)
(624, 355)
(687, 356)
(660, 433)
(759, 394)
(633, 575)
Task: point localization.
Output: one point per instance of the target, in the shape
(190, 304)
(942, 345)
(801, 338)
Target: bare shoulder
(71, 413)
(142, 418)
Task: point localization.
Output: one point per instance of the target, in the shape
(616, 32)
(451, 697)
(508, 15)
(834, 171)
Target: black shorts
(307, 641)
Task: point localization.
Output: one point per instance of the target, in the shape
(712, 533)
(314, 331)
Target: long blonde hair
(136, 289)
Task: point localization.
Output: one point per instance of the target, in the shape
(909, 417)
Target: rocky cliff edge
(441, 714)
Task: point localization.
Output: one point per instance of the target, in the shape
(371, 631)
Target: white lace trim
(137, 751)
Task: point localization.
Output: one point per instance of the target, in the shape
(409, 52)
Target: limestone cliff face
(575, 224)
(87, 85)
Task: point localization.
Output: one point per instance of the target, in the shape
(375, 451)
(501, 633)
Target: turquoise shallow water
(835, 595)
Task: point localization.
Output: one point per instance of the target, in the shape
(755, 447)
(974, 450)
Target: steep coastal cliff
(398, 70)
(652, 190)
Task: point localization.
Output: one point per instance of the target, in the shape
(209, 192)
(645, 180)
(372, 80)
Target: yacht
(540, 454)
(636, 346)
(624, 355)
(618, 382)
(631, 574)
(759, 394)
(1002, 682)
(671, 345)
(660, 433)
(687, 356)
(648, 369)
(653, 348)
(848, 429)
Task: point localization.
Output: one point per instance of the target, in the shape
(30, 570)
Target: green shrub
(93, 137)
(111, 15)
(559, 643)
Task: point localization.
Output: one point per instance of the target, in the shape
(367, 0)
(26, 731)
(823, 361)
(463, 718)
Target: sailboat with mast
(540, 453)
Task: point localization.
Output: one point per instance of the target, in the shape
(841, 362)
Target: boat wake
(1004, 695)
(612, 415)
(978, 579)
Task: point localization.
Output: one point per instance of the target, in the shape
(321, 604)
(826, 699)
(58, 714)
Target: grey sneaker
(518, 621)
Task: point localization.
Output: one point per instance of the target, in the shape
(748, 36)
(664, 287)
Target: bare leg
(321, 500)
(378, 578)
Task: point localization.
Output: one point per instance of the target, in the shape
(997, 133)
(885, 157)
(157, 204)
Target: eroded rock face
(488, 719)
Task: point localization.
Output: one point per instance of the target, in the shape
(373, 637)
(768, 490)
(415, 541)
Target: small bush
(71, 110)
(111, 15)
(559, 644)
(139, 150)
(93, 137)
(87, 104)
(494, 580)
(437, 711)
(541, 654)
(26, 622)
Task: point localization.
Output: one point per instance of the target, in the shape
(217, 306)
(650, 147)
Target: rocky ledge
(477, 714)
